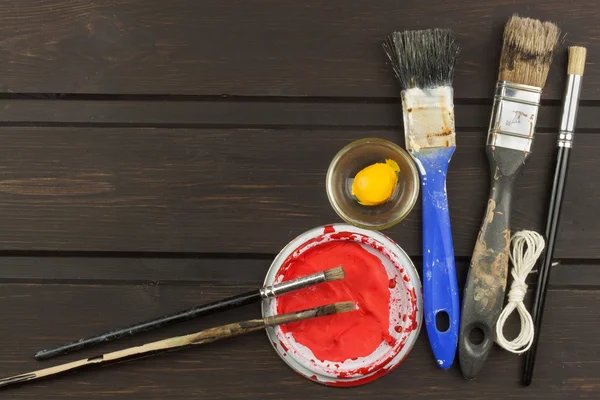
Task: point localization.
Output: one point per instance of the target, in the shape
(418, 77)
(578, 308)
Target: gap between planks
(569, 274)
(236, 112)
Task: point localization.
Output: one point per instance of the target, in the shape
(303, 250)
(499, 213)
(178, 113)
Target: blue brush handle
(440, 288)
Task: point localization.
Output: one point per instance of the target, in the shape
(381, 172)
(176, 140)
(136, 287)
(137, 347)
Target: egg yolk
(375, 184)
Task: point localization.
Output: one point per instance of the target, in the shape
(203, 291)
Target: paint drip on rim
(349, 335)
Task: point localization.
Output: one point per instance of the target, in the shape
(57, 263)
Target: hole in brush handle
(476, 336)
(476, 342)
(442, 321)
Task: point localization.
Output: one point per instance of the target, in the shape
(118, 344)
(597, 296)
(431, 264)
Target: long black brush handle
(199, 311)
(539, 301)
(180, 316)
(486, 282)
(575, 68)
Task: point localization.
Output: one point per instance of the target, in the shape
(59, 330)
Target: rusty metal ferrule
(428, 118)
(569, 112)
(514, 116)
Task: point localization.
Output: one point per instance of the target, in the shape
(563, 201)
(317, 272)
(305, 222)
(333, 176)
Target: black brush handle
(486, 282)
(539, 301)
(180, 316)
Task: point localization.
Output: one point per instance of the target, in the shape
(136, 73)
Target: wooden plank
(248, 368)
(136, 270)
(263, 48)
(251, 113)
(236, 190)
(213, 270)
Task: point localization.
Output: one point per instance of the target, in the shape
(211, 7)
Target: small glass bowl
(352, 159)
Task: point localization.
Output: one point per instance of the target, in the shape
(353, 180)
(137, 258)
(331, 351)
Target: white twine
(523, 261)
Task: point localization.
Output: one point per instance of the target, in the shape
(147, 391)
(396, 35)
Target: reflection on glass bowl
(352, 159)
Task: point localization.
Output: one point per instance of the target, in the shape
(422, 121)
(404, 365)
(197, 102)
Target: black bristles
(423, 59)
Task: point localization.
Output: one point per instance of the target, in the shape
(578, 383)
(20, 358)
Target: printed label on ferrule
(514, 116)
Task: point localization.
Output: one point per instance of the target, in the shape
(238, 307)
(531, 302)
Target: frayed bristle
(423, 59)
(334, 274)
(527, 52)
(576, 60)
(345, 306)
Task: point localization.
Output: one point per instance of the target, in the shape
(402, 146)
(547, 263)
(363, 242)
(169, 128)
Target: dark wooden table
(156, 154)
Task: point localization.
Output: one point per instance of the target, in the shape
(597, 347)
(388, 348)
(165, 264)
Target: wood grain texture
(262, 48)
(567, 367)
(157, 155)
(241, 190)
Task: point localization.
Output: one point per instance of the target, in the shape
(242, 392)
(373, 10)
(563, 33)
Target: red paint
(413, 296)
(414, 325)
(328, 229)
(392, 283)
(370, 378)
(389, 339)
(398, 328)
(387, 363)
(283, 346)
(369, 373)
(413, 316)
(343, 336)
(362, 381)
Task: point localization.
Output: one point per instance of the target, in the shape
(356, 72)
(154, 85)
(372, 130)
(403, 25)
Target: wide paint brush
(180, 342)
(423, 63)
(527, 53)
(575, 69)
(196, 312)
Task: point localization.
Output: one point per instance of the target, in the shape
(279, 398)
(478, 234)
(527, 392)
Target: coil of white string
(527, 246)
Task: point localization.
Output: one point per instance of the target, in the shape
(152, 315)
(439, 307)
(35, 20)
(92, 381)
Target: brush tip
(423, 58)
(334, 274)
(345, 306)
(527, 51)
(577, 55)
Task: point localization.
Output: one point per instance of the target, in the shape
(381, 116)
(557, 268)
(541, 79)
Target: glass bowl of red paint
(353, 158)
(356, 347)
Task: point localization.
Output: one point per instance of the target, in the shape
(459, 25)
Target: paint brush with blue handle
(423, 63)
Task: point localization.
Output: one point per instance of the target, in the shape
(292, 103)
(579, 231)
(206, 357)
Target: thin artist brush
(424, 62)
(575, 69)
(195, 312)
(527, 53)
(180, 342)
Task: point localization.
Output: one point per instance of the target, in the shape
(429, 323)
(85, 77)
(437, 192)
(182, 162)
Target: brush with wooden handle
(423, 62)
(577, 56)
(527, 52)
(195, 312)
(180, 342)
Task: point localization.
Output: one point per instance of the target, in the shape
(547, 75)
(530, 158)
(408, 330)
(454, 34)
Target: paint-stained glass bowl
(352, 159)
(405, 308)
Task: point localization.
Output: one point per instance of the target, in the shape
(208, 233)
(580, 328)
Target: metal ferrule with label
(286, 287)
(514, 116)
(569, 112)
